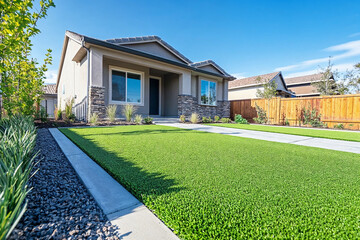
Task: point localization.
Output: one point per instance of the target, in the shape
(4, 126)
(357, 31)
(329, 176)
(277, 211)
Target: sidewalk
(134, 220)
(339, 145)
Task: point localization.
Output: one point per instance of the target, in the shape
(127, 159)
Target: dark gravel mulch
(59, 205)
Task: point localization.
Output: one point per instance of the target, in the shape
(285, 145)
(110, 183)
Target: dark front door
(154, 96)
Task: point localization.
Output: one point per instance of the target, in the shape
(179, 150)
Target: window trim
(126, 70)
(216, 88)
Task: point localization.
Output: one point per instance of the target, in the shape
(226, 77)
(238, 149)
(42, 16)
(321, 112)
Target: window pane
(118, 86)
(133, 88)
(212, 98)
(204, 92)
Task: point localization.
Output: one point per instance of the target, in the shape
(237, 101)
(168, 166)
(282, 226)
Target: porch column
(185, 84)
(96, 88)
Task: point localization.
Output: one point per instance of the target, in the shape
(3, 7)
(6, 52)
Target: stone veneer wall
(188, 104)
(97, 101)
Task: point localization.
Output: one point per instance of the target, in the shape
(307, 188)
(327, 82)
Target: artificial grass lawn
(332, 134)
(213, 186)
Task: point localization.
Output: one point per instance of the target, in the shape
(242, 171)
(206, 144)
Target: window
(126, 87)
(208, 92)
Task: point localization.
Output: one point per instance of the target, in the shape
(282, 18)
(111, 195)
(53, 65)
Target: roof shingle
(49, 89)
(252, 80)
(303, 79)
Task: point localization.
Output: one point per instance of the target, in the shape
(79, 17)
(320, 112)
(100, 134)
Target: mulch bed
(59, 205)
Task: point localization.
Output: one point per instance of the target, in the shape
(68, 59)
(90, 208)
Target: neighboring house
(144, 71)
(246, 88)
(49, 99)
(302, 85)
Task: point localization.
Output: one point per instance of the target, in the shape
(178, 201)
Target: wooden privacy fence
(344, 109)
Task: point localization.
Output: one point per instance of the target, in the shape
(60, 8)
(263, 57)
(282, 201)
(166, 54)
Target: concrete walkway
(339, 145)
(134, 220)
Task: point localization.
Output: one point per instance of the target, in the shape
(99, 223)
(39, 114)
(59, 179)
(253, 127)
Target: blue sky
(246, 38)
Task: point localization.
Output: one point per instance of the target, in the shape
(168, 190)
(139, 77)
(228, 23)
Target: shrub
(261, 115)
(194, 118)
(128, 111)
(94, 119)
(148, 120)
(42, 114)
(111, 112)
(287, 123)
(239, 119)
(225, 120)
(339, 126)
(311, 116)
(17, 142)
(216, 118)
(138, 119)
(182, 119)
(206, 119)
(69, 116)
(57, 114)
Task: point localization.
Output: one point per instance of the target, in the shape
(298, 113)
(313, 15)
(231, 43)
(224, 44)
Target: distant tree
(327, 84)
(21, 76)
(268, 91)
(353, 78)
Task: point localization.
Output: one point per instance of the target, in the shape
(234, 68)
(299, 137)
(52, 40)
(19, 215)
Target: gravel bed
(59, 205)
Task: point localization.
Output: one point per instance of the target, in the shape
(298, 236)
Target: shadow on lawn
(136, 180)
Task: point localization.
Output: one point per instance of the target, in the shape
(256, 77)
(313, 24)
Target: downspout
(88, 80)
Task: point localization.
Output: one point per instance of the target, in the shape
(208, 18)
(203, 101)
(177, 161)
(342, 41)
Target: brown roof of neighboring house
(303, 79)
(252, 80)
(50, 89)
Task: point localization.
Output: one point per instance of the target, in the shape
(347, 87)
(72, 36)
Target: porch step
(165, 120)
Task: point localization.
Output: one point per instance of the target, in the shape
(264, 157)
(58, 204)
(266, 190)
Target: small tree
(327, 84)
(353, 78)
(21, 76)
(268, 91)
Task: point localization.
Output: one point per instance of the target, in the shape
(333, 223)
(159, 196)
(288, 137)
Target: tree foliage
(21, 76)
(353, 79)
(269, 89)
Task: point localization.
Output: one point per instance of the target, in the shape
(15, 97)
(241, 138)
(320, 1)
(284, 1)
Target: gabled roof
(304, 79)
(111, 44)
(252, 81)
(145, 39)
(49, 89)
(211, 63)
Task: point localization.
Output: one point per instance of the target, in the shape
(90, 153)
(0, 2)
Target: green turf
(332, 134)
(213, 186)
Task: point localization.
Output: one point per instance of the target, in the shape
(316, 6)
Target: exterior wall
(49, 102)
(243, 93)
(73, 78)
(304, 90)
(155, 49)
(171, 91)
(280, 84)
(188, 104)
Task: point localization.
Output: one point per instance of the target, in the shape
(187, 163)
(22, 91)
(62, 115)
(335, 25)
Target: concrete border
(332, 144)
(134, 219)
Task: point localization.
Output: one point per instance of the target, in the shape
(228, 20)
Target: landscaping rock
(59, 206)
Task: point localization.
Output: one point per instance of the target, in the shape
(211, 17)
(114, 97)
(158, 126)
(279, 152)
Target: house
(144, 71)
(49, 99)
(246, 88)
(302, 85)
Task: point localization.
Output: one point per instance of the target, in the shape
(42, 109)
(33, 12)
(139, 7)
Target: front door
(154, 96)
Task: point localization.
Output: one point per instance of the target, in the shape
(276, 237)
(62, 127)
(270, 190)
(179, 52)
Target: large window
(208, 92)
(125, 87)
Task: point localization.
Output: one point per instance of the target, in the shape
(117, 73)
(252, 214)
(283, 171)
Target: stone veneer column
(97, 101)
(223, 108)
(185, 105)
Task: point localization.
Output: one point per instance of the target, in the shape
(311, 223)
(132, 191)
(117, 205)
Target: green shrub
(42, 115)
(194, 118)
(225, 120)
(138, 119)
(261, 115)
(311, 116)
(239, 119)
(94, 119)
(111, 112)
(148, 120)
(216, 118)
(339, 126)
(17, 142)
(206, 119)
(68, 115)
(287, 123)
(182, 119)
(57, 113)
(128, 111)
